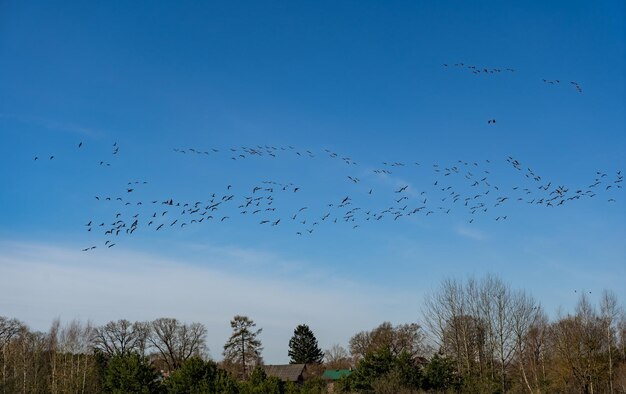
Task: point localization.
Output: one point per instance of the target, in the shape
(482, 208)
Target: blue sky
(363, 79)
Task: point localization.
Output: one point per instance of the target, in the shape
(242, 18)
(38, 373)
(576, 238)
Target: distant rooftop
(335, 374)
(286, 372)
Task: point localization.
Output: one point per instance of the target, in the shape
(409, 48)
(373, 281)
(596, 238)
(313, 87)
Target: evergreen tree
(131, 373)
(260, 383)
(383, 372)
(303, 347)
(243, 348)
(196, 376)
(440, 374)
(375, 365)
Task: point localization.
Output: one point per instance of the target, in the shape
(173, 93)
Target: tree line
(473, 336)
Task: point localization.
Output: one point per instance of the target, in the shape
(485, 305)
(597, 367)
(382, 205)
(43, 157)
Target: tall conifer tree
(303, 347)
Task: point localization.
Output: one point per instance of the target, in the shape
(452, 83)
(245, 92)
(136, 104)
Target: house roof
(285, 372)
(335, 374)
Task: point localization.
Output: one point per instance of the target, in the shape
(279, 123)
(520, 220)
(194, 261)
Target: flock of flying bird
(478, 70)
(462, 187)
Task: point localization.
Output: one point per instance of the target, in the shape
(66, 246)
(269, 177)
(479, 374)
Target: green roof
(335, 374)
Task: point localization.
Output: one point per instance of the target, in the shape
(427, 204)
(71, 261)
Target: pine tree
(243, 348)
(303, 347)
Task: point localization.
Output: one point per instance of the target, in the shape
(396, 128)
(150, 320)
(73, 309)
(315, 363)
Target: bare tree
(54, 362)
(74, 346)
(410, 338)
(8, 329)
(53, 340)
(453, 328)
(121, 337)
(175, 342)
(621, 333)
(407, 338)
(337, 357)
(610, 312)
(533, 351)
(525, 313)
(497, 297)
(483, 326)
(360, 344)
(578, 345)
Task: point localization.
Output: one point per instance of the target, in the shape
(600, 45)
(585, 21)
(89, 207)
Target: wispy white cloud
(471, 233)
(55, 125)
(39, 282)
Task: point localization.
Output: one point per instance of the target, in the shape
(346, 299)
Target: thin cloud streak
(55, 125)
(471, 233)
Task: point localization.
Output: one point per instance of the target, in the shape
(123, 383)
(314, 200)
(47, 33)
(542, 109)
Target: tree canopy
(481, 336)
